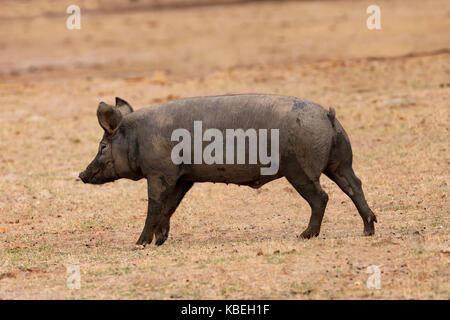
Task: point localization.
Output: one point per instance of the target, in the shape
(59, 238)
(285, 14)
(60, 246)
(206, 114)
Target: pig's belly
(242, 174)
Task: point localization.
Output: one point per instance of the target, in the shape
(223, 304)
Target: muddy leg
(312, 192)
(153, 216)
(162, 230)
(158, 193)
(346, 179)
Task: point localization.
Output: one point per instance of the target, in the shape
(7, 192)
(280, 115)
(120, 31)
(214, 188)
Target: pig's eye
(102, 148)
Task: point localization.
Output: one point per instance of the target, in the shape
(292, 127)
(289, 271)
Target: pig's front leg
(171, 204)
(153, 216)
(158, 193)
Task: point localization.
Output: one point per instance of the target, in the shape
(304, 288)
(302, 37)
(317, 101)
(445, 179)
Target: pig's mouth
(99, 173)
(94, 178)
(88, 178)
(84, 177)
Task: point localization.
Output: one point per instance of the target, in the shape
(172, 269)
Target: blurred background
(192, 38)
(391, 91)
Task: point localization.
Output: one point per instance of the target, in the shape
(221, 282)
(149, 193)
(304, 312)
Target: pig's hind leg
(346, 179)
(339, 169)
(312, 192)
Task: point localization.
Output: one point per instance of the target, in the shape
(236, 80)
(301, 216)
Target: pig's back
(243, 111)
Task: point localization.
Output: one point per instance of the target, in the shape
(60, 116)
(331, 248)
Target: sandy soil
(391, 91)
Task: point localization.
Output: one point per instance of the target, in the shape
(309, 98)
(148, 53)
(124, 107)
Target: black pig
(139, 144)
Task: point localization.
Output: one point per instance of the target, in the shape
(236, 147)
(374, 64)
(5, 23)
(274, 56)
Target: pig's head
(112, 160)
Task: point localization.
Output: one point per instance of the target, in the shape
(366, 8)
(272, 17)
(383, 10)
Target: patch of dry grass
(229, 241)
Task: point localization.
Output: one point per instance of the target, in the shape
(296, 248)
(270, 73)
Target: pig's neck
(133, 156)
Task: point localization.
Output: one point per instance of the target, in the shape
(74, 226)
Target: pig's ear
(109, 117)
(123, 106)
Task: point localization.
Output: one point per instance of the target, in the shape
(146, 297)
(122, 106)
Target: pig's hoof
(309, 233)
(369, 226)
(137, 247)
(369, 230)
(144, 239)
(161, 239)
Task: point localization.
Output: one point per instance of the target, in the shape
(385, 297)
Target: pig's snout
(83, 176)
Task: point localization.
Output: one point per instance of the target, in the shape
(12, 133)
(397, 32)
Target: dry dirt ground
(391, 91)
